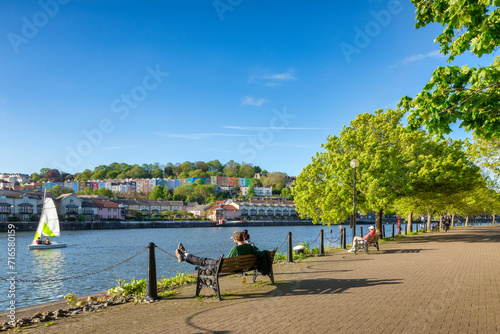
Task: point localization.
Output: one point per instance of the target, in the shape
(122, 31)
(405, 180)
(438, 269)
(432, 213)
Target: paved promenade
(428, 283)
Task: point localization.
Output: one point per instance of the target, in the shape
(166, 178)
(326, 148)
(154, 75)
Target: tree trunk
(452, 220)
(440, 221)
(410, 220)
(466, 220)
(378, 222)
(493, 221)
(429, 217)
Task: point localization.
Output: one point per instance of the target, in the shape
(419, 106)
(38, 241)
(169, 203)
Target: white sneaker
(351, 250)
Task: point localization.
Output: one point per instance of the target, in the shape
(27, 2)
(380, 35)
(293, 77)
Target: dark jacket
(265, 264)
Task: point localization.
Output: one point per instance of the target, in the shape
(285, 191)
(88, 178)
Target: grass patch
(280, 257)
(168, 293)
(258, 284)
(165, 286)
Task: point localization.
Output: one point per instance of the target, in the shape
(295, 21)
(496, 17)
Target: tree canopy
(398, 168)
(466, 95)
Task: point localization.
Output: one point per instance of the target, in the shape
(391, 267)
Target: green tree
(169, 170)
(215, 166)
(180, 193)
(466, 95)
(276, 180)
(324, 189)
(255, 182)
(486, 154)
(56, 190)
(287, 193)
(84, 176)
(202, 166)
(187, 166)
(157, 193)
(197, 173)
(104, 192)
(34, 177)
(157, 170)
(439, 170)
(231, 168)
(167, 194)
(137, 172)
(99, 174)
(112, 174)
(251, 192)
(246, 171)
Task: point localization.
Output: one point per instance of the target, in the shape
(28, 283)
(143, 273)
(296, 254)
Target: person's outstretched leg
(354, 241)
(183, 255)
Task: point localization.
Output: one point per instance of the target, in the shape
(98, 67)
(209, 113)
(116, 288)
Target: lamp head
(354, 163)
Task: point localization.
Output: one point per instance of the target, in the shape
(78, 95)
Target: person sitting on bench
(241, 248)
(367, 238)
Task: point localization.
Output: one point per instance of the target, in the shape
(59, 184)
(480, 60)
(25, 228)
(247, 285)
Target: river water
(92, 250)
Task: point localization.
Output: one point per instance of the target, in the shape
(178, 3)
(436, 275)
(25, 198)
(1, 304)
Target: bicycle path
(426, 283)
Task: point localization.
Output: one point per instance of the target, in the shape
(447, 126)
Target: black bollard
(393, 230)
(322, 243)
(344, 237)
(361, 230)
(341, 238)
(151, 284)
(406, 228)
(290, 254)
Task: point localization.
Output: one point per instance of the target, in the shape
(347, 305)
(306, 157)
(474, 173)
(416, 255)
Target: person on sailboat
(47, 241)
(38, 241)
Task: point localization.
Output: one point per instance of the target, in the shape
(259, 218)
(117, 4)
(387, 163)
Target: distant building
(107, 209)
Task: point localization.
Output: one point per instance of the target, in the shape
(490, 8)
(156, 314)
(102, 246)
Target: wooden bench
(365, 244)
(208, 277)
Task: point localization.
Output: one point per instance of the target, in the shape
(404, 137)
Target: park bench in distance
(364, 244)
(209, 277)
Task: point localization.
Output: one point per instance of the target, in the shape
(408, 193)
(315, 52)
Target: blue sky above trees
(85, 83)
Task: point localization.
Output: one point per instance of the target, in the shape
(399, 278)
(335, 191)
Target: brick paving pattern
(427, 283)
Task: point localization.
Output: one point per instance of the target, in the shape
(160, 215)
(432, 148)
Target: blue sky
(85, 83)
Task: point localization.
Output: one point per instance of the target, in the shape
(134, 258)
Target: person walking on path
(241, 248)
(367, 238)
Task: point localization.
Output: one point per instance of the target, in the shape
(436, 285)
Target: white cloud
(272, 80)
(252, 101)
(417, 57)
(197, 136)
(252, 128)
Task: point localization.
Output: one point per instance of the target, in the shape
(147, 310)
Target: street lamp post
(354, 165)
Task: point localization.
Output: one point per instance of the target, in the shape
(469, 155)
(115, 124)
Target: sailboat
(48, 226)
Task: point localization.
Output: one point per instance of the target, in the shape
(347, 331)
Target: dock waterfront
(116, 225)
(425, 283)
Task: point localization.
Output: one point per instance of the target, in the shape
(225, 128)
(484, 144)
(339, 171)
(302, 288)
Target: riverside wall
(115, 225)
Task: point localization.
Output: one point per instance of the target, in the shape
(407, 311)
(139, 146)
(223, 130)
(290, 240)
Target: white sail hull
(48, 226)
(43, 246)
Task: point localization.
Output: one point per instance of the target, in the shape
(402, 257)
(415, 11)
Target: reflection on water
(47, 264)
